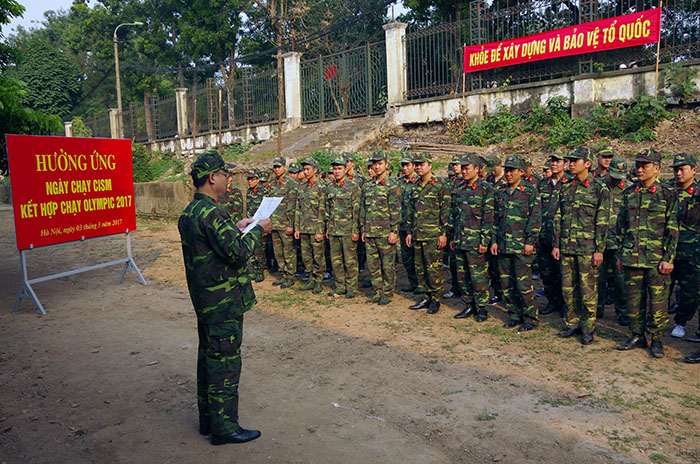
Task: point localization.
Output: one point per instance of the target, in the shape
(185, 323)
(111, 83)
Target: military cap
(605, 152)
(311, 162)
(581, 153)
(483, 160)
(470, 158)
(378, 155)
(527, 161)
(422, 157)
(252, 174)
(207, 163)
(618, 168)
(648, 155)
(330, 169)
(264, 175)
(557, 154)
(493, 160)
(339, 161)
(279, 161)
(457, 159)
(683, 158)
(294, 168)
(406, 158)
(370, 162)
(513, 162)
(349, 157)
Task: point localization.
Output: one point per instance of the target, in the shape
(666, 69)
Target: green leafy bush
(630, 121)
(569, 132)
(80, 129)
(680, 80)
(502, 125)
(141, 163)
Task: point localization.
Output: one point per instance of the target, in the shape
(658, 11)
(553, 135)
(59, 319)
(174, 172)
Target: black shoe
(693, 358)
(242, 436)
(511, 323)
(586, 339)
(609, 299)
(350, 295)
(408, 288)
(547, 309)
(288, 282)
(424, 303)
(366, 285)
(624, 320)
(673, 309)
(278, 282)
(204, 429)
(569, 332)
(259, 278)
(657, 349)
(600, 312)
(384, 301)
(465, 312)
(633, 342)
(434, 307)
(495, 299)
(526, 326)
(481, 315)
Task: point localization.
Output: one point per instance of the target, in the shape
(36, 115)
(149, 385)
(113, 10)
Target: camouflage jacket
(516, 218)
(406, 187)
(283, 216)
(380, 211)
(615, 204)
(310, 214)
(599, 174)
(232, 201)
(472, 215)
(359, 179)
(429, 209)
(216, 255)
(647, 225)
(688, 238)
(253, 198)
(343, 208)
(533, 179)
(549, 200)
(581, 218)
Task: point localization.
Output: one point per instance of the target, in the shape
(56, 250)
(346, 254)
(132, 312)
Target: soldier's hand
(243, 223)
(319, 237)
(597, 259)
(266, 225)
(452, 245)
(363, 237)
(327, 235)
(529, 249)
(289, 230)
(618, 263)
(409, 240)
(442, 241)
(393, 237)
(483, 249)
(354, 237)
(494, 249)
(556, 253)
(665, 268)
(297, 235)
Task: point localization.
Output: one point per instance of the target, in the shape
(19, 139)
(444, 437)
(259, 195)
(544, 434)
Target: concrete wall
(5, 196)
(161, 198)
(583, 92)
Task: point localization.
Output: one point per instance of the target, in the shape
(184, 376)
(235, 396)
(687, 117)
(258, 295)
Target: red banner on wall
(607, 34)
(66, 189)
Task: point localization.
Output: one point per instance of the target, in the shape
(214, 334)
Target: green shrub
(680, 80)
(569, 132)
(630, 121)
(141, 163)
(80, 129)
(502, 125)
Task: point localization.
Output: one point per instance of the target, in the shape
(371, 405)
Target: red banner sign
(66, 189)
(606, 34)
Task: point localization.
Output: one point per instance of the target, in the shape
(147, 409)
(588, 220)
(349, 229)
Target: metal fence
(434, 55)
(345, 84)
(98, 125)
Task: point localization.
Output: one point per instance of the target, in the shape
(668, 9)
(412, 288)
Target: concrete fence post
(68, 128)
(395, 61)
(292, 89)
(114, 123)
(181, 108)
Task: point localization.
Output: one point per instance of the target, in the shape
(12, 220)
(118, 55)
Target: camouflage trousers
(285, 254)
(408, 259)
(550, 273)
(344, 262)
(472, 277)
(516, 282)
(256, 265)
(608, 272)
(652, 316)
(218, 374)
(494, 274)
(381, 263)
(686, 274)
(314, 255)
(454, 287)
(579, 285)
(429, 268)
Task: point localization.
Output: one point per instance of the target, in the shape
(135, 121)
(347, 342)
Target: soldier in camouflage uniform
(406, 181)
(253, 198)
(496, 179)
(517, 226)
(215, 254)
(549, 268)
(647, 230)
(580, 234)
(283, 222)
(472, 224)
(428, 215)
(232, 198)
(360, 180)
(615, 180)
(529, 176)
(690, 220)
(343, 229)
(605, 156)
(380, 215)
(309, 224)
(265, 178)
(684, 170)
(454, 182)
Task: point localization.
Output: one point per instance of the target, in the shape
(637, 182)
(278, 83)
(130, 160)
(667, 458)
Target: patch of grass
(657, 458)
(486, 416)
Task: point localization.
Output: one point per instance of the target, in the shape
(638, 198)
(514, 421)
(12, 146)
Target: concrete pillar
(114, 123)
(395, 61)
(181, 105)
(292, 89)
(68, 127)
(583, 97)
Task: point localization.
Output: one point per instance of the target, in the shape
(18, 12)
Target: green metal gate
(346, 84)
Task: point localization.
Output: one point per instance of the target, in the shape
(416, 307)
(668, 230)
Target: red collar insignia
(383, 181)
(622, 184)
(549, 180)
(255, 190)
(573, 182)
(311, 183)
(691, 189)
(563, 179)
(474, 186)
(342, 182)
(529, 179)
(350, 177)
(587, 183)
(653, 189)
(280, 180)
(432, 181)
(637, 189)
(521, 187)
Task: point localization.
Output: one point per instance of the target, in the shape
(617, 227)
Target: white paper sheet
(265, 210)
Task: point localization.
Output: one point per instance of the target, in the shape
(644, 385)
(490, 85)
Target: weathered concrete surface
(5, 196)
(161, 198)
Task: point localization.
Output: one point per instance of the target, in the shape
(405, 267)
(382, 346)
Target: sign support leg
(130, 264)
(26, 291)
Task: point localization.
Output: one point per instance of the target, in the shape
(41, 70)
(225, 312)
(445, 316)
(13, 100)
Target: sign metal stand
(28, 292)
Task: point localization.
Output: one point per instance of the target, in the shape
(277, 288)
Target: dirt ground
(108, 375)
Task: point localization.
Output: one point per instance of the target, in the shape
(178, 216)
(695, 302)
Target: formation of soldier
(594, 236)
